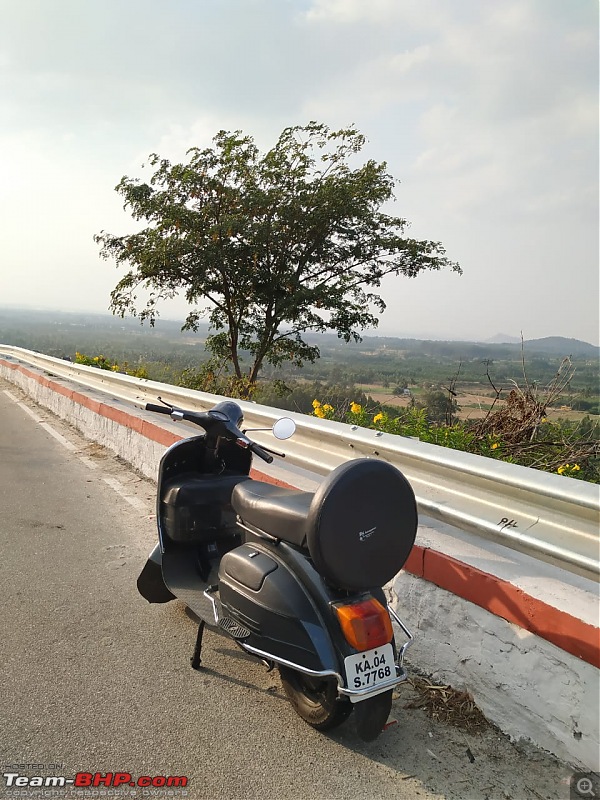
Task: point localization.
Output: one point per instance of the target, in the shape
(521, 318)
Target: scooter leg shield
(150, 582)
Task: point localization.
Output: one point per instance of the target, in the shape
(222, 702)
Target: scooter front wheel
(315, 700)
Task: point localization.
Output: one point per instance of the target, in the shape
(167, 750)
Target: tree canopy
(267, 246)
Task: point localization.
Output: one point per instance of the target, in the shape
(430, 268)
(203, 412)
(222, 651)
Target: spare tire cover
(362, 524)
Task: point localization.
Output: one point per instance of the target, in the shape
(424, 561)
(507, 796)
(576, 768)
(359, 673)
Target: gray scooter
(294, 578)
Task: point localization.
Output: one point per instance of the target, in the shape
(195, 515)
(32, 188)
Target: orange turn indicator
(366, 624)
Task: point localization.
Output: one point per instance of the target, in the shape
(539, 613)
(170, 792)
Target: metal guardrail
(547, 516)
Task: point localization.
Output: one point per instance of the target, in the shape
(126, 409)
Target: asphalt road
(97, 680)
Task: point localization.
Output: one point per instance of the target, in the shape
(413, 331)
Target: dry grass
(448, 705)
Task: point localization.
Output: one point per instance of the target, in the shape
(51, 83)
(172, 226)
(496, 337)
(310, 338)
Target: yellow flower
(355, 408)
(319, 412)
(316, 404)
(378, 417)
(96, 359)
(495, 445)
(327, 408)
(575, 468)
(560, 470)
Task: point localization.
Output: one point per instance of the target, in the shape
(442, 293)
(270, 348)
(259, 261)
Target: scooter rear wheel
(316, 701)
(371, 715)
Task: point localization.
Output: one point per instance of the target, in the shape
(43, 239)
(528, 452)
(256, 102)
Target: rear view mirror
(284, 428)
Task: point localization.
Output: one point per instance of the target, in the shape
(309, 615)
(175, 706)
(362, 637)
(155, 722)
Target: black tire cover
(362, 524)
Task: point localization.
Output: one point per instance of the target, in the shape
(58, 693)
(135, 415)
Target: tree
(270, 246)
(441, 407)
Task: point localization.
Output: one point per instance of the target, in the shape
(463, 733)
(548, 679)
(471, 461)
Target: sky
(486, 112)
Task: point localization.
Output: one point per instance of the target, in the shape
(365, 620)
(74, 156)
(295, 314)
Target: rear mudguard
(150, 582)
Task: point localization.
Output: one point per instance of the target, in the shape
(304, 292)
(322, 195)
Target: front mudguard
(150, 582)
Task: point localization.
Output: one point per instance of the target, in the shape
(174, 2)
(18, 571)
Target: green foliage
(439, 405)
(564, 448)
(592, 406)
(168, 355)
(296, 396)
(101, 362)
(213, 377)
(270, 246)
(412, 422)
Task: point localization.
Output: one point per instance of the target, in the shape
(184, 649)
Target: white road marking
(118, 487)
(88, 462)
(58, 436)
(25, 408)
(139, 505)
(11, 395)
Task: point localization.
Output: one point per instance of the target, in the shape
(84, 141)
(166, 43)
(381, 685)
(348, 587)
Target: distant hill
(57, 332)
(559, 345)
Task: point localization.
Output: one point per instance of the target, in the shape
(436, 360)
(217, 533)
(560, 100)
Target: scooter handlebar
(257, 450)
(226, 425)
(158, 409)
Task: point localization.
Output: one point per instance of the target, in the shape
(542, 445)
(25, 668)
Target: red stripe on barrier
(415, 562)
(261, 476)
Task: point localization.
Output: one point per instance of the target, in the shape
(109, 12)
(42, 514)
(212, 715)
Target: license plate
(369, 669)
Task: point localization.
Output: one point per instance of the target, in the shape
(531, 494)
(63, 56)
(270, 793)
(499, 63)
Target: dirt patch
(96, 451)
(473, 405)
(390, 400)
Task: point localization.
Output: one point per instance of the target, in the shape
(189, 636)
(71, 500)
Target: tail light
(365, 624)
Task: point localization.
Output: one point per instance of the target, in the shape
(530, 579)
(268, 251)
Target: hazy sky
(486, 111)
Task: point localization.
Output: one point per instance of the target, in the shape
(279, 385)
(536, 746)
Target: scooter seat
(358, 527)
(274, 510)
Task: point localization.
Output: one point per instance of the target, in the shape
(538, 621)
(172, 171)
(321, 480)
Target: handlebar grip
(257, 450)
(158, 409)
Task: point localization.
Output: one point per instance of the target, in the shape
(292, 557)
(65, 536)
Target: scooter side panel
(260, 589)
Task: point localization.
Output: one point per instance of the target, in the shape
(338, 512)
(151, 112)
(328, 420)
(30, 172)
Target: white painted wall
(137, 450)
(527, 686)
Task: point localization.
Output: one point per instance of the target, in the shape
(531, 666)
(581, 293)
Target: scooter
(293, 577)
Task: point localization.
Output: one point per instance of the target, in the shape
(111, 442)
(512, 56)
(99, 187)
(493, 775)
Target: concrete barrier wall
(521, 636)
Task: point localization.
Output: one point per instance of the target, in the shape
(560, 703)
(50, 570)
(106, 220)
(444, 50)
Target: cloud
(494, 135)
(502, 101)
